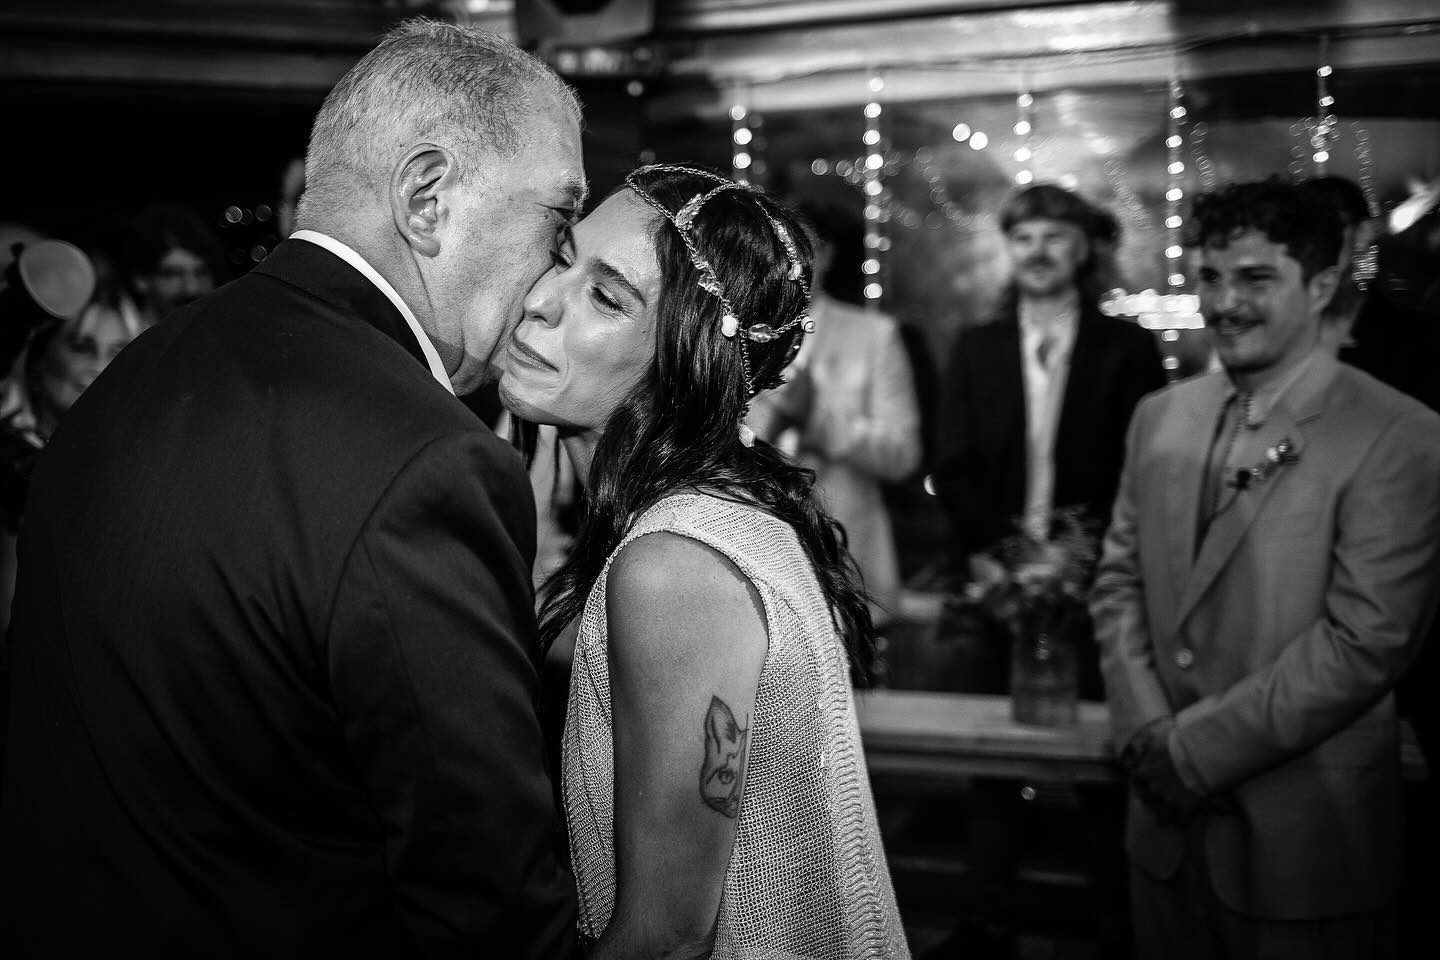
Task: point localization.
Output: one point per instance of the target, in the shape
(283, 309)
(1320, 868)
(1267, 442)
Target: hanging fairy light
(1324, 127)
(741, 138)
(1175, 192)
(873, 187)
(1025, 129)
(1171, 311)
(1204, 166)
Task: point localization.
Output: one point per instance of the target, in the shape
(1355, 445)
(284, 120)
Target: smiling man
(274, 650)
(1270, 572)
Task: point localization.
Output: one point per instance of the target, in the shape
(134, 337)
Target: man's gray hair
(425, 80)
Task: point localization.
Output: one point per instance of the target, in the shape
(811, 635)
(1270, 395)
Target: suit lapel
(1010, 396)
(1185, 478)
(1085, 408)
(1301, 404)
(1083, 379)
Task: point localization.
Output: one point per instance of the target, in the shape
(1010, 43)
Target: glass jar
(1044, 687)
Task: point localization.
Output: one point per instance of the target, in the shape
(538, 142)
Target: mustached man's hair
(458, 86)
(1310, 231)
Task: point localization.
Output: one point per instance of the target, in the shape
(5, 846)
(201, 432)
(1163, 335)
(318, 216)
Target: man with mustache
(1032, 419)
(1035, 402)
(1270, 572)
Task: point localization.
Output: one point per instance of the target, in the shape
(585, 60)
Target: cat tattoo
(724, 767)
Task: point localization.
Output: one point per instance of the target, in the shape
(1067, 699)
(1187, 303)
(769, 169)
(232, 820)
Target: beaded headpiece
(730, 321)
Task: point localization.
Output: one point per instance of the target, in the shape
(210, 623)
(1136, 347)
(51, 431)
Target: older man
(1269, 574)
(274, 657)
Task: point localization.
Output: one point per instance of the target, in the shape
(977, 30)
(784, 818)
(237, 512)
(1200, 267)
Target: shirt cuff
(1184, 766)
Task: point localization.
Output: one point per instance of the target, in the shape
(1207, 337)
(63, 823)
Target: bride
(716, 794)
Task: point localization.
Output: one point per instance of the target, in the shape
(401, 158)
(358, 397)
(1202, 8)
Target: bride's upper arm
(687, 640)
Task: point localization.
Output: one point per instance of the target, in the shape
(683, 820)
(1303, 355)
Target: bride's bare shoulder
(666, 588)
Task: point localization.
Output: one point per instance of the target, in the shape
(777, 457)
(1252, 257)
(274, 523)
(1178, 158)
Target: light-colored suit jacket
(1277, 641)
(863, 430)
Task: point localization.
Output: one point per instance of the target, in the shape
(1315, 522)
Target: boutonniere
(1276, 457)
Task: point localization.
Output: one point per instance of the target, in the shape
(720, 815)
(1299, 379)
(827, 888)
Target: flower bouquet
(1037, 589)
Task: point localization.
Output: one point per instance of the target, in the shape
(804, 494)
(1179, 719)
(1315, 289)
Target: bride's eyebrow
(612, 273)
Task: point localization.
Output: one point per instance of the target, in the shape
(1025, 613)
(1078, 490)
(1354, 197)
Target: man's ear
(1321, 287)
(418, 188)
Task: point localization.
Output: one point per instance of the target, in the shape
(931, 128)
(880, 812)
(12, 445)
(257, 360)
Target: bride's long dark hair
(678, 428)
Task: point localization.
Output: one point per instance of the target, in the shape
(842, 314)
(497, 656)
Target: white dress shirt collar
(1060, 327)
(348, 254)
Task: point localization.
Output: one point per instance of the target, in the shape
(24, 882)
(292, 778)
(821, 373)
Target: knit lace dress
(807, 876)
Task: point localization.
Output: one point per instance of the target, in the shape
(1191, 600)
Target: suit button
(1184, 657)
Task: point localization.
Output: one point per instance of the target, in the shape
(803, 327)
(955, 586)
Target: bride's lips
(529, 357)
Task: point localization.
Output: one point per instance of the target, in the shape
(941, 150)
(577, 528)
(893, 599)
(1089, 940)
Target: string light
(1204, 167)
(1135, 207)
(1366, 162)
(1324, 127)
(1175, 194)
(740, 137)
(1171, 311)
(1025, 129)
(873, 178)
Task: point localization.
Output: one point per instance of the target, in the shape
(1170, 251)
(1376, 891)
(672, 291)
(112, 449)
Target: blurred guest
(1037, 400)
(848, 410)
(62, 360)
(13, 235)
(1398, 331)
(1355, 260)
(1270, 572)
(173, 258)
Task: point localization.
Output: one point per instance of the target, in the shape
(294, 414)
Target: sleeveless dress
(807, 875)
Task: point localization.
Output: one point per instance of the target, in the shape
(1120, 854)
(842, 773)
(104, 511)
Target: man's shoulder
(1198, 392)
(1379, 413)
(1364, 392)
(261, 357)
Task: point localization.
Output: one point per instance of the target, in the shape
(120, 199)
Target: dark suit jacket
(273, 651)
(980, 449)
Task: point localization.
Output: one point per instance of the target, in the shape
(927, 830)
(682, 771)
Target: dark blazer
(980, 448)
(274, 665)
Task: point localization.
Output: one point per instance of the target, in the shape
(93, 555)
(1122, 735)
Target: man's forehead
(1246, 249)
(551, 163)
(1042, 225)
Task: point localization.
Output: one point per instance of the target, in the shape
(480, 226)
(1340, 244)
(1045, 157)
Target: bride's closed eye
(562, 260)
(604, 300)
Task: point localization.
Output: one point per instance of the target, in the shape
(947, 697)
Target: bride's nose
(542, 303)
